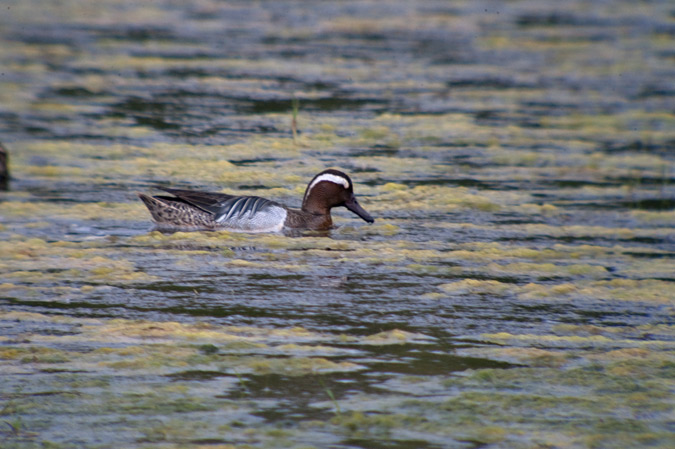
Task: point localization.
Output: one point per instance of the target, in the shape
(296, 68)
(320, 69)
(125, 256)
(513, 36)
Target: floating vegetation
(515, 290)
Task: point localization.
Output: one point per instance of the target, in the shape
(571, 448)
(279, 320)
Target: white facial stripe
(331, 178)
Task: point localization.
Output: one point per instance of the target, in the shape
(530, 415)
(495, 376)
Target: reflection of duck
(4, 168)
(193, 210)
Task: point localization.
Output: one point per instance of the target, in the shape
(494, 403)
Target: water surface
(515, 290)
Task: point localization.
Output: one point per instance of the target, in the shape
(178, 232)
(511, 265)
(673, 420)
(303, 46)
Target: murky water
(516, 289)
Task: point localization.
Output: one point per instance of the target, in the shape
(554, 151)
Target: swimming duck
(190, 210)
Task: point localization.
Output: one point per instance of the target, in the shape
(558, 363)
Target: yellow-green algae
(142, 345)
(115, 370)
(89, 211)
(36, 261)
(579, 393)
(395, 337)
(578, 386)
(571, 231)
(649, 290)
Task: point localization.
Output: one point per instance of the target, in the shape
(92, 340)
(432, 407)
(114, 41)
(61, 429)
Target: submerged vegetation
(514, 291)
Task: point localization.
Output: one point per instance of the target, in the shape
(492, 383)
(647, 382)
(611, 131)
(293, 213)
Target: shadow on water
(295, 396)
(155, 114)
(180, 109)
(658, 204)
(370, 443)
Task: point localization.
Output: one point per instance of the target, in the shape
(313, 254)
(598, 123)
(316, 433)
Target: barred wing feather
(206, 201)
(241, 207)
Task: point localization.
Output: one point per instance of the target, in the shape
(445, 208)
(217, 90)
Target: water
(514, 291)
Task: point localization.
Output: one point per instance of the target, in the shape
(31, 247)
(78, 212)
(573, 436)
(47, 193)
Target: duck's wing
(242, 207)
(206, 201)
(229, 209)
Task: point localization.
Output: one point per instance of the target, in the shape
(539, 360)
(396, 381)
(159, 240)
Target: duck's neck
(308, 220)
(314, 207)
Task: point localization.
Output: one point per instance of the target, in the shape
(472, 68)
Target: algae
(514, 291)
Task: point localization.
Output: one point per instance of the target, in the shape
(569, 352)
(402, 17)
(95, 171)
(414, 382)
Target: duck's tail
(174, 214)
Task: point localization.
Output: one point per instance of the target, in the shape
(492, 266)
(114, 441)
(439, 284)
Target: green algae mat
(515, 291)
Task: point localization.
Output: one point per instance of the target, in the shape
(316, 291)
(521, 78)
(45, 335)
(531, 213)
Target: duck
(191, 210)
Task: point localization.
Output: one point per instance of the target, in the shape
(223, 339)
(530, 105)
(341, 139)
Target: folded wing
(241, 207)
(205, 201)
(247, 213)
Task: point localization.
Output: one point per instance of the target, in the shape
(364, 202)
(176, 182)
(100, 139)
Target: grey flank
(250, 213)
